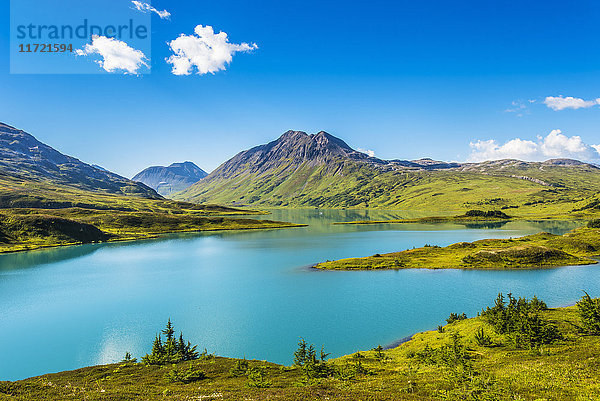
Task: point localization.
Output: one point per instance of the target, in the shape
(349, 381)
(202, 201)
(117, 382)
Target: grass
(346, 184)
(27, 229)
(565, 370)
(36, 214)
(532, 251)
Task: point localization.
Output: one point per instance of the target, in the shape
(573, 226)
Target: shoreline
(145, 237)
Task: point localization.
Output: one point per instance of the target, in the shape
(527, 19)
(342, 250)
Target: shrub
(257, 378)
(454, 317)
(594, 223)
(350, 371)
(188, 375)
(379, 354)
(482, 339)
(452, 355)
(589, 312)
(239, 369)
(128, 358)
(520, 321)
(497, 214)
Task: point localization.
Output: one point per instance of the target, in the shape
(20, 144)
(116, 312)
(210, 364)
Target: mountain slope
(23, 157)
(174, 178)
(301, 170)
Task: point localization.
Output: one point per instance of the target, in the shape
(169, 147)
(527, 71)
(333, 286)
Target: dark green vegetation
(171, 179)
(172, 350)
(50, 199)
(518, 349)
(589, 312)
(299, 170)
(519, 320)
(470, 216)
(538, 250)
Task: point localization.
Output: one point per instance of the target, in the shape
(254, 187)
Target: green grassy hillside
(517, 350)
(350, 184)
(27, 229)
(36, 214)
(532, 251)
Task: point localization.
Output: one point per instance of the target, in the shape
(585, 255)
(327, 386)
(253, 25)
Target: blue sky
(404, 79)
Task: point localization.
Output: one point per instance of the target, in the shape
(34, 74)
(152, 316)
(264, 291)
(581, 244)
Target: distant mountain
(320, 170)
(171, 179)
(22, 157)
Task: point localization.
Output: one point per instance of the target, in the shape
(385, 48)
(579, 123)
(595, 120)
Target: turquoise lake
(251, 293)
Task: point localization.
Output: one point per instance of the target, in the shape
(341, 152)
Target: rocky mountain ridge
(170, 179)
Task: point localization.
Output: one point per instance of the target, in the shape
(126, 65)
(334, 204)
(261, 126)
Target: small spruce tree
(589, 312)
(172, 350)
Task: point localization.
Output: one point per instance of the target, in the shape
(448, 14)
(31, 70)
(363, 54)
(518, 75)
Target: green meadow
(517, 349)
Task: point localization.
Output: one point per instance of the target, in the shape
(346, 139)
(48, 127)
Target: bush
(350, 371)
(452, 355)
(257, 378)
(128, 358)
(188, 375)
(497, 214)
(379, 354)
(589, 312)
(482, 339)
(594, 223)
(454, 317)
(239, 369)
(520, 321)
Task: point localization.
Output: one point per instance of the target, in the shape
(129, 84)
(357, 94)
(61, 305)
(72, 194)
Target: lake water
(250, 293)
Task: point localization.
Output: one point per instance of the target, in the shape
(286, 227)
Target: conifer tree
(589, 312)
(300, 354)
(172, 350)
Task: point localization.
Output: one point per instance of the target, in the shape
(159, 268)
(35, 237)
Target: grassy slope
(539, 250)
(566, 370)
(349, 184)
(36, 214)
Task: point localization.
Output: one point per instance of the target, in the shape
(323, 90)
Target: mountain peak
(289, 134)
(290, 151)
(22, 155)
(171, 179)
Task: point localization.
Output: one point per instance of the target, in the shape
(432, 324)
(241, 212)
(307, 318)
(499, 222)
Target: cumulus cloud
(116, 55)
(204, 51)
(368, 152)
(558, 103)
(145, 7)
(554, 145)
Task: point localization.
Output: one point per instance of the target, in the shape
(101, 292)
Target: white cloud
(145, 7)
(205, 51)
(368, 152)
(116, 55)
(554, 145)
(560, 103)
